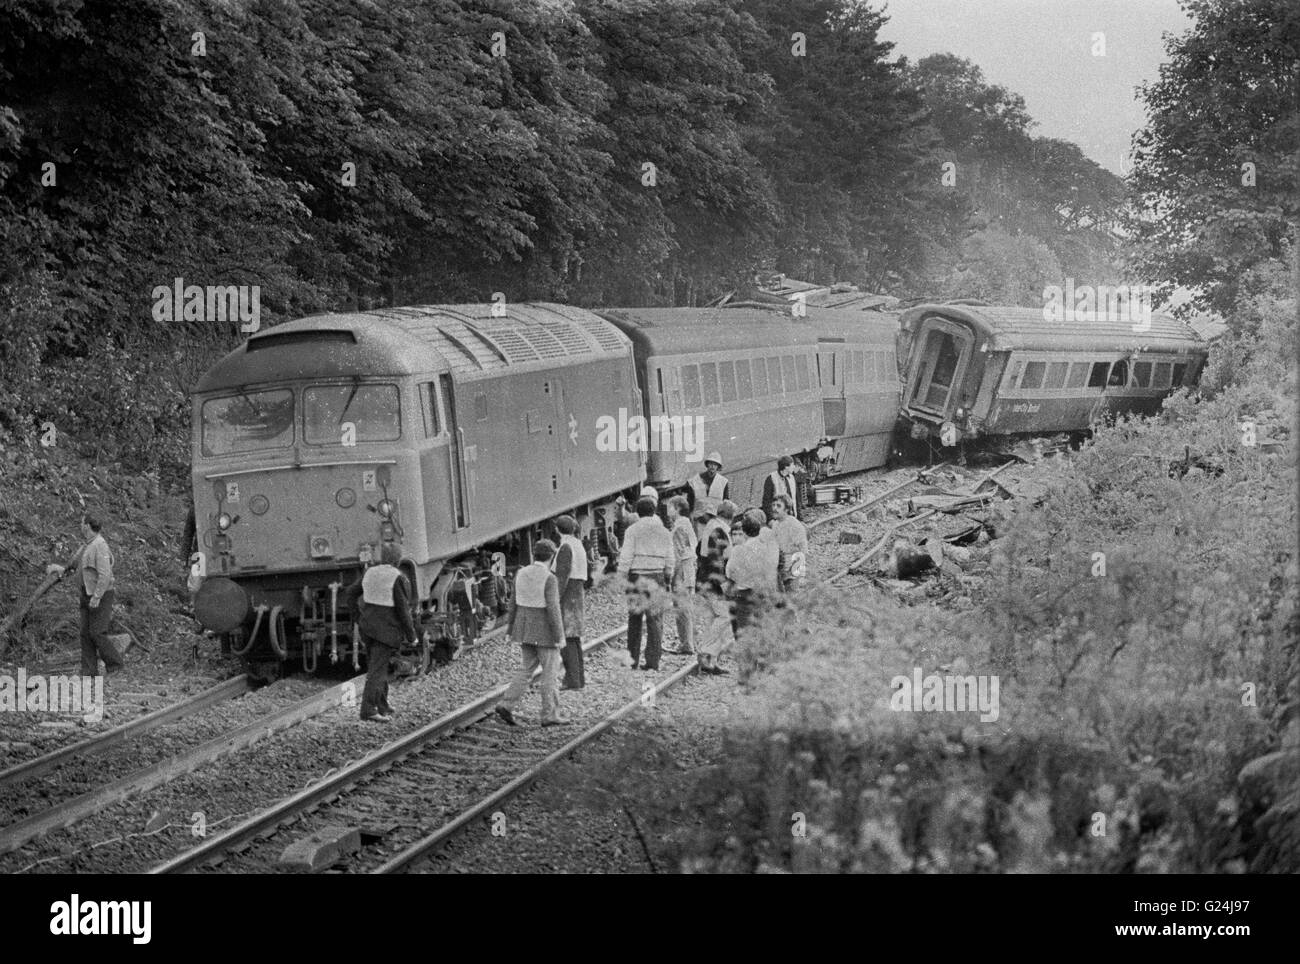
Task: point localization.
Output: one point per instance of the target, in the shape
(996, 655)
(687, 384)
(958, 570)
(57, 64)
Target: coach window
(1142, 374)
(1056, 374)
(691, 386)
(727, 378)
(774, 375)
(1179, 371)
(760, 377)
(481, 407)
(1033, 376)
(801, 368)
(1098, 377)
(1118, 375)
(373, 410)
(1161, 379)
(709, 383)
(743, 386)
(1078, 375)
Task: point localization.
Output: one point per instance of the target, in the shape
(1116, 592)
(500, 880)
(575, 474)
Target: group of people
(716, 567)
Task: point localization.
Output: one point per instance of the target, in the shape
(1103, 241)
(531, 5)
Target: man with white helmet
(707, 490)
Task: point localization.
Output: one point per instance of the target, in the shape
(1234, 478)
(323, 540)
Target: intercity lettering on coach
(76, 917)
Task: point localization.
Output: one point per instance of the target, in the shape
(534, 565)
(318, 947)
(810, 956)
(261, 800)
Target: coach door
(941, 365)
(831, 375)
(455, 454)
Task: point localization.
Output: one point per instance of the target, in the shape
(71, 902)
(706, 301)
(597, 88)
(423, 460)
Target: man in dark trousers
(781, 482)
(570, 568)
(385, 606)
(94, 565)
(646, 561)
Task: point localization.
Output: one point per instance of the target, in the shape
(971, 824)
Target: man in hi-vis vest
(707, 490)
(385, 622)
(781, 482)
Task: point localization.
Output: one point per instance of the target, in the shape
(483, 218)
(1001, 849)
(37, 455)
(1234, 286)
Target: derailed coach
(443, 430)
(974, 371)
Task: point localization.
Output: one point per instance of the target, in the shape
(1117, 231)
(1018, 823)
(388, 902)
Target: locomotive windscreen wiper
(356, 385)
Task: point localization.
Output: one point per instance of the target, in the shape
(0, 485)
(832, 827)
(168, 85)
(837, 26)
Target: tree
(1215, 187)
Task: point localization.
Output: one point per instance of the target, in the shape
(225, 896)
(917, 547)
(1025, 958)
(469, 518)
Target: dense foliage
(337, 153)
(1216, 177)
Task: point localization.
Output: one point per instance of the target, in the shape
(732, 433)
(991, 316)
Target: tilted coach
(975, 371)
(443, 429)
(822, 387)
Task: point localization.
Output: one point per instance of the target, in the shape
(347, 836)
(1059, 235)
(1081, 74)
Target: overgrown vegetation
(341, 154)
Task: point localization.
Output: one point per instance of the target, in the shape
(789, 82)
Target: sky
(1043, 50)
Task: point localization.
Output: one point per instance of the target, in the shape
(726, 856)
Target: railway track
(408, 798)
(70, 811)
(230, 689)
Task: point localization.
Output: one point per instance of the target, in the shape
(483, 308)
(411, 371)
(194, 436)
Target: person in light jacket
(537, 626)
(647, 561)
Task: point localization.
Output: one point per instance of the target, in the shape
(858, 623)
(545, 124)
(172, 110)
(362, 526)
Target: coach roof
(689, 331)
(405, 341)
(1011, 328)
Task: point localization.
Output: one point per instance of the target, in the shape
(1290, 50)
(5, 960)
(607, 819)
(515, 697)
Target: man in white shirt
(94, 565)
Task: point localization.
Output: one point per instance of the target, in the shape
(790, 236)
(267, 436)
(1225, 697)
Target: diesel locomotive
(444, 429)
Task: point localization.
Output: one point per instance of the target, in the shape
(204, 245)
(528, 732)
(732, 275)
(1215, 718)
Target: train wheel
(266, 670)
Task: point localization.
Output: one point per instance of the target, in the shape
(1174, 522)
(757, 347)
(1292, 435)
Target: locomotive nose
(221, 605)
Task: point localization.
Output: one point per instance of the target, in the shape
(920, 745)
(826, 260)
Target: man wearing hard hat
(707, 490)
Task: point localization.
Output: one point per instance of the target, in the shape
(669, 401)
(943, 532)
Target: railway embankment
(1111, 683)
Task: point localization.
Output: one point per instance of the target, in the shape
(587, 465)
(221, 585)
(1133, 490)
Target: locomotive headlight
(224, 521)
(960, 411)
(385, 509)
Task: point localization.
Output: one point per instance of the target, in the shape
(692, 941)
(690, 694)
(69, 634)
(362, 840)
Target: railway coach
(763, 383)
(975, 371)
(443, 429)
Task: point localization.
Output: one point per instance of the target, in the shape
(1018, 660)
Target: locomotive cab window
(1098, 377)
(375, 410)
(248, 422)
(1118, 375)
